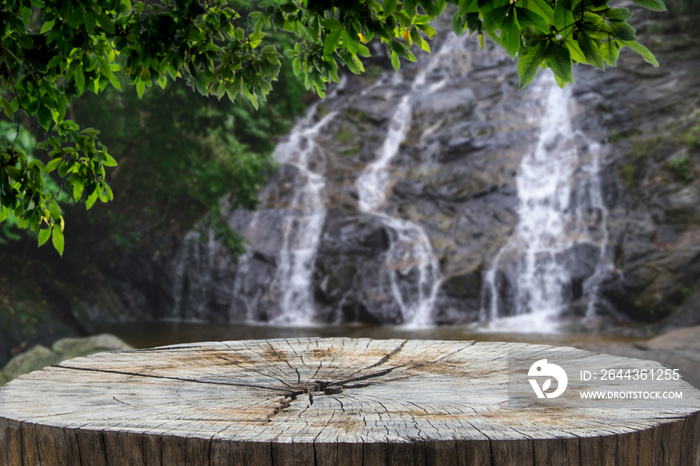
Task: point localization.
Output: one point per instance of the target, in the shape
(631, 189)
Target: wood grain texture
(317, 401)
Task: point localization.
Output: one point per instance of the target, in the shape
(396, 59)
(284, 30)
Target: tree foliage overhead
(54, 51)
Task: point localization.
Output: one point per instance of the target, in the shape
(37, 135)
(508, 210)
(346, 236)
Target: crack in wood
(181, 379)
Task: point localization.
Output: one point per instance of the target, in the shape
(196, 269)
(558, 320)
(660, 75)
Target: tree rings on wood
(319, 401)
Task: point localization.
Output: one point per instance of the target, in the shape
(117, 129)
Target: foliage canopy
(52, 52)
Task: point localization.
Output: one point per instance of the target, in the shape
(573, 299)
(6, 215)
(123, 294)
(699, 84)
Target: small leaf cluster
(53, 51)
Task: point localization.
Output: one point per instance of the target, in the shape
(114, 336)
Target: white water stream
(410, 249)
(560, 207)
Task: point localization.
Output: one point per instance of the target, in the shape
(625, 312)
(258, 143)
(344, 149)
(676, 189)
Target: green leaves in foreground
(585, 32)
(51, 53)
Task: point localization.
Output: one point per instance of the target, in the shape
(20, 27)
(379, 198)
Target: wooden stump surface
(316, 401)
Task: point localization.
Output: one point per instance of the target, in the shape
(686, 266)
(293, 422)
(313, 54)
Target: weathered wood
(321, 402)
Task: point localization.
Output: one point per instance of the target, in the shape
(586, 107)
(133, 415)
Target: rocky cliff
(650, 118)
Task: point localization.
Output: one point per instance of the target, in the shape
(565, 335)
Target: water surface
(150, 334)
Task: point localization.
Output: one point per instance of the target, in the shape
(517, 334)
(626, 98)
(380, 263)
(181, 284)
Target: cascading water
(410, 250)
(302, 229)
(530, 282)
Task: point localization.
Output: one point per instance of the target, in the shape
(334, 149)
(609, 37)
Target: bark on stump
(321, 402)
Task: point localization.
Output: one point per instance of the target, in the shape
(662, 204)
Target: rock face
(652, 180)
(453, 177)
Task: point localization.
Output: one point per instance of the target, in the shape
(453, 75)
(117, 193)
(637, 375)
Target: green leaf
(44, 117)
(7, 107)
(90, 201)
(559, 60)
(140, 88)
(529, 18)
(538, 7)
(103, 66)
(577, 55)
(201, 87)
(428, 30)
(395, 62)
(106, 23)
(494, 19)
(51, 166)
(63, 169)
(269, 50)
(331, 42)
(37, 164)
(459, 24)
(89, 20)
(47, 26)
(26, 15)
(115, 82)
(79, 78)
(255, 39)
(389, 7)
(401, 50)
(467, 6)
(529, 60)
(109, 161)
(654, 5)
(348, 41)
(643, 51)
(610, 51)
(44, 236)
(78, 188)
(288, 7)
(591, 51)
(61, 103)
(418, 39)
(410, 9)
(332, 24)
(57, 239)
(623, 31)
(107, 195)
(595, 26)
(55, 211)
(618, 14)
(560, 82)
(563, 17)
(510, 35)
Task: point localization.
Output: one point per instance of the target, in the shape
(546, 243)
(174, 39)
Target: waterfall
(410, 251)
(410, 248)
(337, 240)
(302, 229)
(560, 214)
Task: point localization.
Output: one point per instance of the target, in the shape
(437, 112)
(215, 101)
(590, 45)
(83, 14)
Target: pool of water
(150, 334)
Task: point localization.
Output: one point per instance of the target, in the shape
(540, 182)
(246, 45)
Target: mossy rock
(34, 359)
(40, 356)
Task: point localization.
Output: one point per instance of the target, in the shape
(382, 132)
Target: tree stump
(316, 401)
